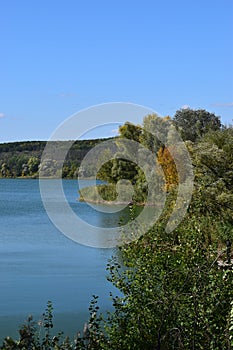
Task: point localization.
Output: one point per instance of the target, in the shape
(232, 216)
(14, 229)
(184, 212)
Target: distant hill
(22, 159)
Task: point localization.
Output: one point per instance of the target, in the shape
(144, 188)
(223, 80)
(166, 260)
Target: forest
(22, 159)
(176, 287)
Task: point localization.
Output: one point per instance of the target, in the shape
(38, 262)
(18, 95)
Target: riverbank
(109, 194)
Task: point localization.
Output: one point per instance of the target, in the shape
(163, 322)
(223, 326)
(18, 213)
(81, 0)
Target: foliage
(175, 296)
(98, 193)
(38, 336)
(131, 131)
(146, 141)
(169, 167)
(106, 193)
(213, 163)
(176, 288)
(231, 324)
(22, 159)
(155, 132)
(119, 168)
(194, 124)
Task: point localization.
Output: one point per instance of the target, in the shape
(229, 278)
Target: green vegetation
(22, 159)
(106, 193)
(99, 193)
(193, 125)
(177, 287)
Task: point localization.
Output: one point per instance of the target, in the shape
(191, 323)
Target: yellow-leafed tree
(168, 165)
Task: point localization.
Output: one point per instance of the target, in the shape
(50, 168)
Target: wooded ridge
(22, 159)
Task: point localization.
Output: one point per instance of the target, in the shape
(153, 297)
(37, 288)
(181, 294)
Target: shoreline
(111, 203)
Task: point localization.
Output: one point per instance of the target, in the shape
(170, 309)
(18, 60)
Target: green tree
(33, 165)
(5, 171)
(155, 132)
(177, 287)
(130, 131)
(193, 124)
(213, 164)
(121, 168)
(175, 296)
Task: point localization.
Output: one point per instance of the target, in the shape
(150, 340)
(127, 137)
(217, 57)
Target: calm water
(38, 263)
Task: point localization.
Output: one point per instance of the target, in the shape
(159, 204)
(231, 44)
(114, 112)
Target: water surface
(38, 263)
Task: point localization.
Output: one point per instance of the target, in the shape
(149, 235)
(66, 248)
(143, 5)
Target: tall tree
(155, 132)
(130, 131)
(193, 124)
(169, 168)
(121, 168)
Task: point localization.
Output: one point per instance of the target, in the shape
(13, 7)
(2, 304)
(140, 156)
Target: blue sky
(58, 57)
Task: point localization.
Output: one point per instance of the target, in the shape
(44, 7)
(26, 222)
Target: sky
(58, 57)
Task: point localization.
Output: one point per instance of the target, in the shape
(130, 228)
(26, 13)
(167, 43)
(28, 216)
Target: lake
(38, 263)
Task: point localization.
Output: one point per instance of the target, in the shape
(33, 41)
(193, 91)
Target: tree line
(199, 130)
(22, 159)
(176, 287)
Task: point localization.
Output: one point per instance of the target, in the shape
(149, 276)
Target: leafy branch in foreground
(39, 335)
